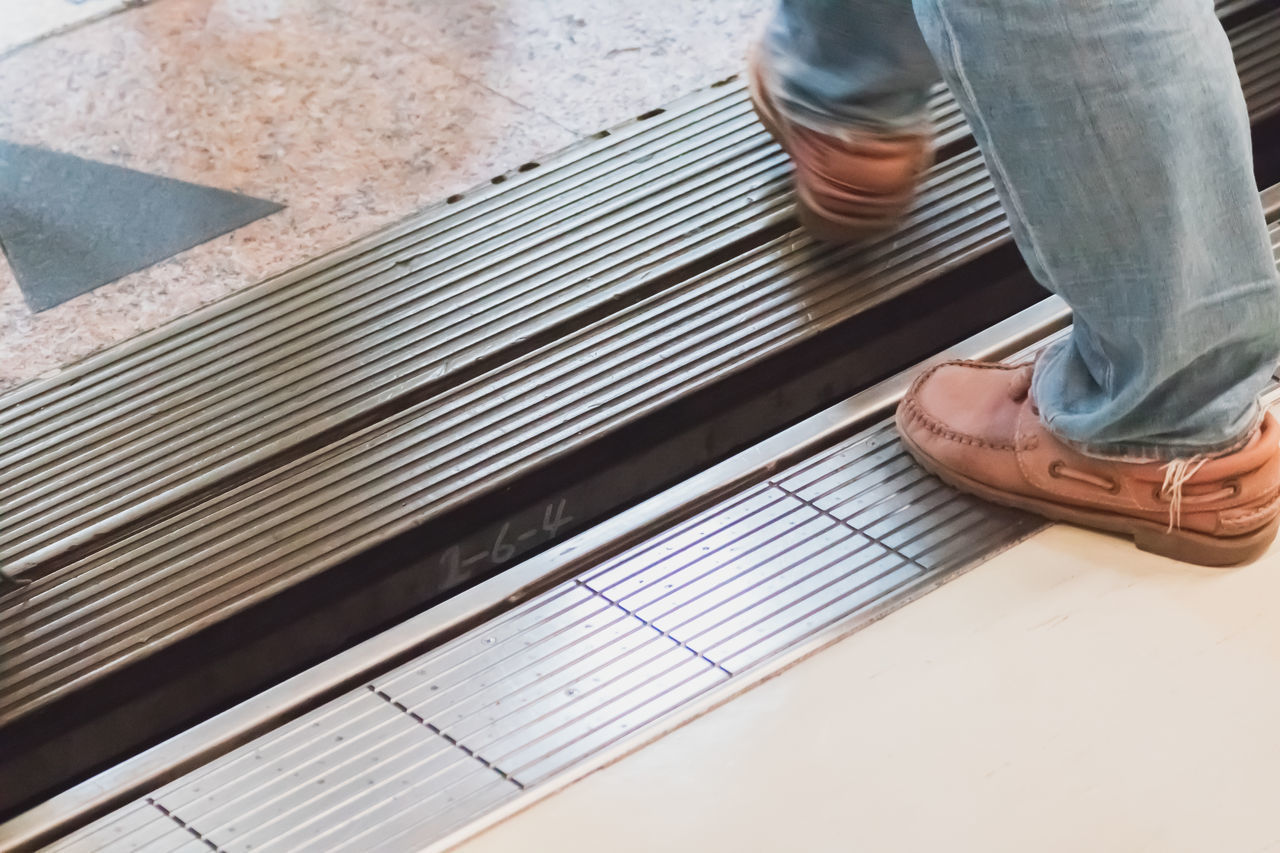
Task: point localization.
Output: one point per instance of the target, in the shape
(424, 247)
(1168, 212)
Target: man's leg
(1117, 136)
(841, 64)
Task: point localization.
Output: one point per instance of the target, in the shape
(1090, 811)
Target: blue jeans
(1117, 137)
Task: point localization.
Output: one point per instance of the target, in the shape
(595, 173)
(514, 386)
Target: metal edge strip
(452, 252)
(194, 747)
(100, 459)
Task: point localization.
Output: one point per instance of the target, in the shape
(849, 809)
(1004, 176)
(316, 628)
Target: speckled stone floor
(350, 114)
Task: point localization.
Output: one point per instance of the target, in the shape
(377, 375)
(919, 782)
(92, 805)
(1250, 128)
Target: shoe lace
(1176, 475)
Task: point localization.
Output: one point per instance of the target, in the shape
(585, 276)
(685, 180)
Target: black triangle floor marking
(69, 225)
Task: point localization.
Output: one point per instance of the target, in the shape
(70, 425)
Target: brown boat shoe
(849, 188)
(975, 426)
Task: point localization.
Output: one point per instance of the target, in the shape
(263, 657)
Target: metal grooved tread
(161, 420)
(437, 742)
(124, 434)
(219, 557)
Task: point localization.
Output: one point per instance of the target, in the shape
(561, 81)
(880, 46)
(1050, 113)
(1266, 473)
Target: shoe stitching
(913, 411)
(1245, 516)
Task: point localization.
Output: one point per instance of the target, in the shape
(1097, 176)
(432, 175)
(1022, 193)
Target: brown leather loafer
(849, 188)
(975, 426)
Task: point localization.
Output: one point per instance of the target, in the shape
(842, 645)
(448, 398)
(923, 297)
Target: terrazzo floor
(352, 115)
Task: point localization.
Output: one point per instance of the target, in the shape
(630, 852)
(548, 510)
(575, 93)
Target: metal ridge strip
(447, 250)
(1227, 9)
(1271, 203)
(260, 714)
(217, 555)
(73, 475)
(1254, 48)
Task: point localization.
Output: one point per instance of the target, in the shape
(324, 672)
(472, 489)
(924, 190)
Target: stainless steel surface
(358, 760)
(400, 756)
(251, 380)
(572, 674)
(140, 775)
(1256, 48)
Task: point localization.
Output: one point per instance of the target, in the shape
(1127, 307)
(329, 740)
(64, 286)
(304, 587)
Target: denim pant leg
(839, 63)
(1117, 135)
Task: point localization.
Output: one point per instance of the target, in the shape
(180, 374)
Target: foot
(976, 427)
(851, 187)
